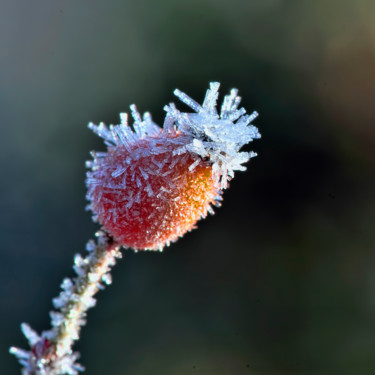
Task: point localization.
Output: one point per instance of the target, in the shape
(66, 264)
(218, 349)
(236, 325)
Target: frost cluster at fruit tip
(210, 134)
(216, 136)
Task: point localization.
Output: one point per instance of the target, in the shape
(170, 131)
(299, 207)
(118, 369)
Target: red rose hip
(153, 184)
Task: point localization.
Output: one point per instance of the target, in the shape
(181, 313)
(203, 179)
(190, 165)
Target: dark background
(282, 279)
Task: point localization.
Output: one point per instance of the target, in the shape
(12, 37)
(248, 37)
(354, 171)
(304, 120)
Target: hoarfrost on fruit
(153, 184)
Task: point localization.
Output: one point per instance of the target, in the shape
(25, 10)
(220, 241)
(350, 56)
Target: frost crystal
(218, 137)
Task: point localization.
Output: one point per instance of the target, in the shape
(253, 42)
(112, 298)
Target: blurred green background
(281, 280)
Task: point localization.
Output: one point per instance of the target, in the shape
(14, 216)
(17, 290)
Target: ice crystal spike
(211, 98)
(154, 183)
(31, 335)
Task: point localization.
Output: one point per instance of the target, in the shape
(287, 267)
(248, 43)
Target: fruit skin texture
(154, 198)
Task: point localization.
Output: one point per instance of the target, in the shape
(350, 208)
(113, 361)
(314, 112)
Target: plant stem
(51, 352)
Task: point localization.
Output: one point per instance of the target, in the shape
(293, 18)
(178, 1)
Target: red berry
(153, 184)
(156, 198)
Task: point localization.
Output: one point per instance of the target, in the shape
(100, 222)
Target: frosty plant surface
(148, 189)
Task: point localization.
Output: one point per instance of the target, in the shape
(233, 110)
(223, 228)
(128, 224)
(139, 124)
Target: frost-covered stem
(91, 272)
(51, 352)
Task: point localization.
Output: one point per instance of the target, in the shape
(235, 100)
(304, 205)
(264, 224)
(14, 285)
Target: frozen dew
(211, 98)
(19, 353)
(192, 166)
(107, 278)
(187, 100)
(61, 300)
(31, 335)
(67, 284)
(56, 318)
